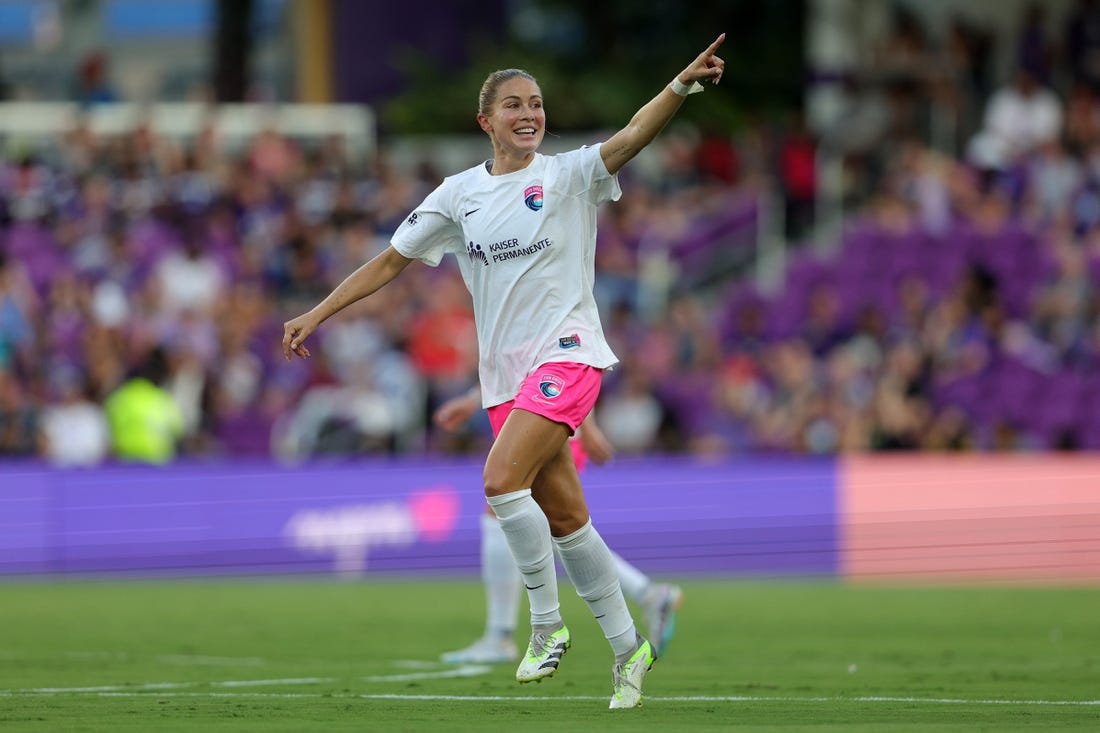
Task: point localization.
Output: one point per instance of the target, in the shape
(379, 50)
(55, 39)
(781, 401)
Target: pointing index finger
(717, 42)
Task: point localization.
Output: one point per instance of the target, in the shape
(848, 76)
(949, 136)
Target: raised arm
(652, 118)
(367, 279)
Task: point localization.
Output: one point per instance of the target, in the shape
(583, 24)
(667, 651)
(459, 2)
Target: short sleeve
(587, 176)
(430, 231)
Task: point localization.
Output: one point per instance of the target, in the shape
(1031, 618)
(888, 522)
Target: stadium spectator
(1019, 118)
(17, 300)
(798, 172)
(1055, 176)
(19, 418)
(74, 430)
(1082, 119)
(93, 85)
(632, 416)
(145, 422)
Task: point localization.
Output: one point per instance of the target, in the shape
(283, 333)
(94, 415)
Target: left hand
(706, 65)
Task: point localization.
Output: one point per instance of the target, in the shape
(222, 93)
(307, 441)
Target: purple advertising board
(359, 518)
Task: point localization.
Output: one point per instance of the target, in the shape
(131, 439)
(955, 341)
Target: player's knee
(565, 520)
(499, 481)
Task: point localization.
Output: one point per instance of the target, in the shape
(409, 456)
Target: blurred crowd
(144, 281)
(959, 308)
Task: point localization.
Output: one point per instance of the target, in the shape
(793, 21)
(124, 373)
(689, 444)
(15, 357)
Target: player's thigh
(557, 489)
(525, 443)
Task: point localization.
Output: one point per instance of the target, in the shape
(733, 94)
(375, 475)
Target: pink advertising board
(1011, 518)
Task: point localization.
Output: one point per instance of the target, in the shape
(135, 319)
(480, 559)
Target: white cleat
(627, 677)
(486, 650)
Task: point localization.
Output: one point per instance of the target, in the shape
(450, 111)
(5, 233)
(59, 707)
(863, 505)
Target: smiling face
(514, 117)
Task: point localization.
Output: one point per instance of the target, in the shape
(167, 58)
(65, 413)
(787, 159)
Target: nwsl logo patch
(532, 196)
(569, 342)
(550, 386)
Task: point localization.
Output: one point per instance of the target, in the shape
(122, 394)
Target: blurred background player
(660, 602)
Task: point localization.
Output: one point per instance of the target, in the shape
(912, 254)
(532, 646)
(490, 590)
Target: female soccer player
(523, 227)
(660, 602)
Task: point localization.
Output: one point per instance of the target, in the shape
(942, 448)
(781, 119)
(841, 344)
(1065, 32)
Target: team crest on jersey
(571, 341)
(532, 196)
(550, 385)
(476, 253)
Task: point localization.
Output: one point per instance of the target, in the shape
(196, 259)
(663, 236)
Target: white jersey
(526, 246)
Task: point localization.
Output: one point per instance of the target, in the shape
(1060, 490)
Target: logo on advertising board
(350, 532)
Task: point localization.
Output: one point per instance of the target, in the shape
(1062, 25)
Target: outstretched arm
(367, 279)
(652, 118)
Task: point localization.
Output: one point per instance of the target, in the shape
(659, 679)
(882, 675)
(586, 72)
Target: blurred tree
(597, 61)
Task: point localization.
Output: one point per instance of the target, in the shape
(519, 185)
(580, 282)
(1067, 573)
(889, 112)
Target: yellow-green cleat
(543, 655)
(627, 677)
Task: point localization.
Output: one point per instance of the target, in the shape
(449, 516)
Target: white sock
(501, 579)
(589, 564)
(528, 535)
(634, 582)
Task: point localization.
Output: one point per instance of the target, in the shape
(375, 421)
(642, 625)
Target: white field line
(164, 686)
(268, 683)
(466, 670)
(178, 659)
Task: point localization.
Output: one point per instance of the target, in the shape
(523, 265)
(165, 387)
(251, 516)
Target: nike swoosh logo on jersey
(471, 211)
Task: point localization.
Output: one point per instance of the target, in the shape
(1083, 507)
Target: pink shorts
(562, 391)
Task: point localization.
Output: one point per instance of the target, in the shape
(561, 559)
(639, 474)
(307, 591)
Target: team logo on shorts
(550, 386)
(532, 196)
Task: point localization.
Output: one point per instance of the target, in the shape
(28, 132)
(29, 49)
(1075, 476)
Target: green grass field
(289, 655)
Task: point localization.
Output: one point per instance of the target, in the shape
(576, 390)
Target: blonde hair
(488, 96)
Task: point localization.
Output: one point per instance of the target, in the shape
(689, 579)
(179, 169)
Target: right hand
(707, 66)
(295, 332)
